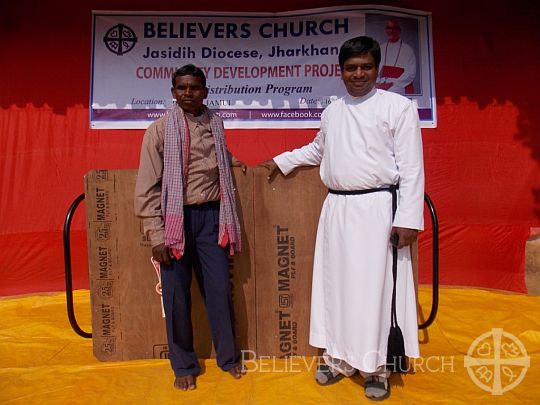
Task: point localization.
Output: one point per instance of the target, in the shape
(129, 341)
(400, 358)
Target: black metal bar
(435, 258)
(67, 268)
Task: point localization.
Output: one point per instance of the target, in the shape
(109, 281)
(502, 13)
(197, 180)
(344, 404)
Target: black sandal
(379, 385)
(325, 375)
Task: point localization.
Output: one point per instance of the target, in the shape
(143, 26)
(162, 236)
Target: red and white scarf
(175, 162)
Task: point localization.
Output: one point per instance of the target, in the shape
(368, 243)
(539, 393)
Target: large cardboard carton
(127, 321)
(270, 279)
(286, 216)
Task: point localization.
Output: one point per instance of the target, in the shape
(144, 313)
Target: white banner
(264, 70)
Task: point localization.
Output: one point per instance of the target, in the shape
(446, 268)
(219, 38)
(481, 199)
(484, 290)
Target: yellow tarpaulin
(484, 347)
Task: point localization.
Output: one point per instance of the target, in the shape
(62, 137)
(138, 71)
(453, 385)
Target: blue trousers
(208, 260)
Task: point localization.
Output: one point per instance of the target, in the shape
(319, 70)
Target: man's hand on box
(272, 168)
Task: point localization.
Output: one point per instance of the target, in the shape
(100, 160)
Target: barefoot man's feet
(185, 383)
(237, 371)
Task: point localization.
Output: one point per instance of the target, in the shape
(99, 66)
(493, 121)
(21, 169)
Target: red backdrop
(481, 162)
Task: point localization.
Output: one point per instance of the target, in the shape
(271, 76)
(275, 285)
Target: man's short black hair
(359, 46)
(189, 70)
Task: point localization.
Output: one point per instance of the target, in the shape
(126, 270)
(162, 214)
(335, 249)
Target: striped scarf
(175, 162)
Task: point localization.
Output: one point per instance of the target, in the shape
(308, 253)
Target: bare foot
(237, 371)
(185, 383)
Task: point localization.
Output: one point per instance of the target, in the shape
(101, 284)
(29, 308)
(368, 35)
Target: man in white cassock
(398, 62)
(369, 141)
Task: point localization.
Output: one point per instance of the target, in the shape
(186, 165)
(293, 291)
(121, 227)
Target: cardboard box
(286, 217)
(127, 320)
(270, 278)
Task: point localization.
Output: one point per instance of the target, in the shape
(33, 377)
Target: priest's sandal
(326, 375)
(377, 388)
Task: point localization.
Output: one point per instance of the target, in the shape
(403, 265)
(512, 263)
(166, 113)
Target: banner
(264, 70)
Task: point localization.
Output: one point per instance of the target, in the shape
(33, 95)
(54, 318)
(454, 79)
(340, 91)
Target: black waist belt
(391, 189)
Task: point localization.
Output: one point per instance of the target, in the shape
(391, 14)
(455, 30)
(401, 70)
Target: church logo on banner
(120, 39)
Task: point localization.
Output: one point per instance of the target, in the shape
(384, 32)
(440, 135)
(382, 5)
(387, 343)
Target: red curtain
(481, 162)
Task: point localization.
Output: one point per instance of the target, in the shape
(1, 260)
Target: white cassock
(400, 55)
(367, 142)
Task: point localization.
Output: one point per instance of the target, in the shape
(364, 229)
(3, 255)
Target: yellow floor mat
(43, 361)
